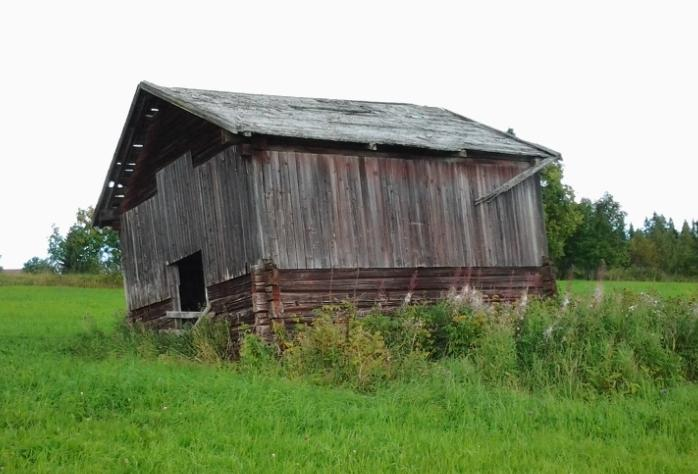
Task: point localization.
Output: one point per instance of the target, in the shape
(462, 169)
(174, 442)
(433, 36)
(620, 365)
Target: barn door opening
(192, 288)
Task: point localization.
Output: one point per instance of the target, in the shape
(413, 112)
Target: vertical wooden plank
(272, 226)
(391, 216)
(258, 203)
(284, 228)
(321, 208)
(379, 224)
(347, 206)
(295, 234)
(435, 224)
(298, 205)
(356, 174)
(403, 195)
(306, 191)
(329, 178)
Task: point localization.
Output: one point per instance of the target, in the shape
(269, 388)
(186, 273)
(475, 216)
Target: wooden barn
(262, 208)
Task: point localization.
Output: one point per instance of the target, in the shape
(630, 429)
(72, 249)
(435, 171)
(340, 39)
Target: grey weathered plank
(352, 121)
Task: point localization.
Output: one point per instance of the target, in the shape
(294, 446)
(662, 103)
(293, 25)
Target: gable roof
(347, 121)
(378, 123)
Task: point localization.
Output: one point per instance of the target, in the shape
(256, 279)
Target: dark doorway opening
(192, 288)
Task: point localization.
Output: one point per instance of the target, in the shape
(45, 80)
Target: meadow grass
(661, 288)
(79, 280)
(63, 411)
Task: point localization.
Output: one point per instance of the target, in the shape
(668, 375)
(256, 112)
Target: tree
(85, 248)
(600, 239)
(665, 238)
(643, 252)
(610, 228)
(687, 251)
(0, 265)
(37, 265)
(562, 216)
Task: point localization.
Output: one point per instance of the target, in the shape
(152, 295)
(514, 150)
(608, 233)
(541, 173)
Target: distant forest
(590, 239)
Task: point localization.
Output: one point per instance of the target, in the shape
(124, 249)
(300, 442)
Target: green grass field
(662, 288)
(65, 413)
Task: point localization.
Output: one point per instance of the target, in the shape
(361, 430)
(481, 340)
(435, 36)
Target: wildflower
(524, 300)
(566, 301)
(598, 294)
(548, 333)
(164, 408)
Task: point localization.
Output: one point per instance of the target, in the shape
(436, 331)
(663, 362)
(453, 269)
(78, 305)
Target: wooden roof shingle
(378, 123)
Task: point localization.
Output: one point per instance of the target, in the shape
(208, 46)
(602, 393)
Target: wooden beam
(107, 215)
(183, 314)
(516, 180)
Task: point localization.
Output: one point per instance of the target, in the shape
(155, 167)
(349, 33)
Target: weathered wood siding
(343, 211)
(312, 211)
(204, 208)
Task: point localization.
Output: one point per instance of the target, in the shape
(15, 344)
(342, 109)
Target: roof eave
(105, 195)
(546, 152)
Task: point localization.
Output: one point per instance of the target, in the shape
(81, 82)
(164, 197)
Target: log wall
(286, 297)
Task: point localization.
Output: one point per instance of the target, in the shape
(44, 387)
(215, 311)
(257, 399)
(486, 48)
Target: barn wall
(342, 211)
(204, 208)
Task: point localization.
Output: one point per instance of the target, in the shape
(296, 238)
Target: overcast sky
(611, 85)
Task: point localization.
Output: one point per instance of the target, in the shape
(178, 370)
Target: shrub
(464, 331)
(614, 345)
(255, 353)
(495, 356)
(337, 349)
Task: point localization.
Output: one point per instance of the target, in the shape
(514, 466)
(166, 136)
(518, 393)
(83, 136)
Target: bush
(337, 349)
(255, 353)
(617, 344)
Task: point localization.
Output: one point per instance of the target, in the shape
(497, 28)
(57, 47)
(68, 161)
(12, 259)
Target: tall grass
(79, 280)
(618, 344)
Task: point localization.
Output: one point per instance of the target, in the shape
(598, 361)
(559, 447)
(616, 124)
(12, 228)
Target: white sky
(611, 85)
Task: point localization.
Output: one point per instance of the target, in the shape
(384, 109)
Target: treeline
(83, 249)
(590, 239)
